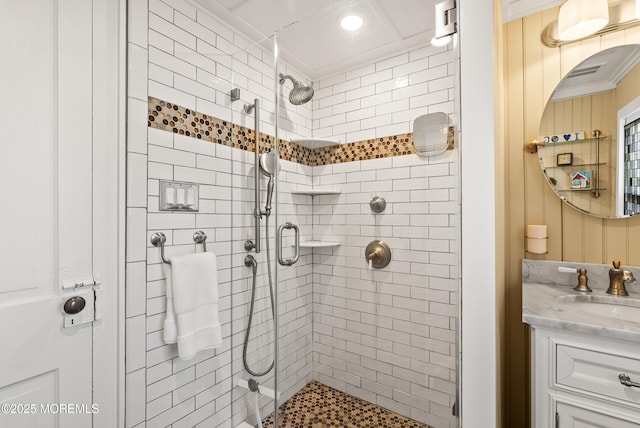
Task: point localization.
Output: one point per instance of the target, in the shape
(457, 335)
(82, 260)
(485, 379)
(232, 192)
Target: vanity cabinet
(571, 415)
(575, 380)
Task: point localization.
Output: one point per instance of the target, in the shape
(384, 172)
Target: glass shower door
(294, 297)
(361, 341)
(254, 182)
(347, 339)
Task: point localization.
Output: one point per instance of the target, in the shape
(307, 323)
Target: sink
(610, 306)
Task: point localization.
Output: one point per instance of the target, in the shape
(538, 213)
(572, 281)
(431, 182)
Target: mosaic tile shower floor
(319, 406)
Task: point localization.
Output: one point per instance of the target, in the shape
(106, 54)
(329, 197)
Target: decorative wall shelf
(581, 141)
(315, 143)
(590, 189)
(314, 192)
(575, 165)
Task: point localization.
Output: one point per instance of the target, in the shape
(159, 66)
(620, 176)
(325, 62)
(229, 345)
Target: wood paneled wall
(531, 73)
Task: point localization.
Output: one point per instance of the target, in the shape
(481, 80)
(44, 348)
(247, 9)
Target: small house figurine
(581, 180)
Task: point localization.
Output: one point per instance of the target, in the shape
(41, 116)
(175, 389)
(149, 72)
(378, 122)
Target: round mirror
(589, 135)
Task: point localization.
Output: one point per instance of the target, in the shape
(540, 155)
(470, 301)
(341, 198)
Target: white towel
(192, 319)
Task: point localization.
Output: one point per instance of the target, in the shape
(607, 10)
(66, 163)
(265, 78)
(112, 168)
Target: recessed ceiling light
(351, 22)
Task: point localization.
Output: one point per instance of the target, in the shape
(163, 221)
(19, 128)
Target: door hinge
(557, 420)
(446, 15)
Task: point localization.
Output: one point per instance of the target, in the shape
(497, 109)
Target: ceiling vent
(584, 71)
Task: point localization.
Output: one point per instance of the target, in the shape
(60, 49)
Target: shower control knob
(74, 305)
(378, 204)
(377, 254)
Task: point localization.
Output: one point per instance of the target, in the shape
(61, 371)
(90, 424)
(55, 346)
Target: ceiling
(310, 36)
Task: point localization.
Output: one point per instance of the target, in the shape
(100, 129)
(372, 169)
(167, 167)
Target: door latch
(79, 309)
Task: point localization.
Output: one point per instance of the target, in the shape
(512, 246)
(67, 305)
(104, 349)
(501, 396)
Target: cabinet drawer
(595, 372)
(570, 415)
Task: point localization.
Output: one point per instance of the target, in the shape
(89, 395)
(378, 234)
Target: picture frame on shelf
(580, 179)
(564, 159)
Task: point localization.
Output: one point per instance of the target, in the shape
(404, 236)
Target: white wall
(478, 401)
(388, 336)
(384, 98)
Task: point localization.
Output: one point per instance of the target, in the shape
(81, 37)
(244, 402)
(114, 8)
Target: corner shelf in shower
(314, 192)
(319, 244)
(315, 143)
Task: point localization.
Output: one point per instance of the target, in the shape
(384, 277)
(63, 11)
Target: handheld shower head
(300, 93)
(268, 168)
(268, 163)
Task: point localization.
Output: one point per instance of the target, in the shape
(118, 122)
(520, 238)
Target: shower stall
(337, 246)
(312, 314)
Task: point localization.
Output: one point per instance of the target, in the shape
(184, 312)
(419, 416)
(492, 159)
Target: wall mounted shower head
(300, 93)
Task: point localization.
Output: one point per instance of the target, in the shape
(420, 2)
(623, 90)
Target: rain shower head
(300, 93)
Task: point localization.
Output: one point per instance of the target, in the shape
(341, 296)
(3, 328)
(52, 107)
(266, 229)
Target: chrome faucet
(617, 280)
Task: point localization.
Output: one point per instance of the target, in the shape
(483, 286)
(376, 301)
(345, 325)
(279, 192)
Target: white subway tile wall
(384, 98)
(386, 336)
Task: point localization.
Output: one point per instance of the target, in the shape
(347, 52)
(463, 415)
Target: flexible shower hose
(253, 296)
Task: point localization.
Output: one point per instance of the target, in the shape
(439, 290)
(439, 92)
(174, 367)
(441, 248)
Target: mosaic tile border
(184, 121)
(318, 405)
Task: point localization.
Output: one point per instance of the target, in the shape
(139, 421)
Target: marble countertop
(541, 306)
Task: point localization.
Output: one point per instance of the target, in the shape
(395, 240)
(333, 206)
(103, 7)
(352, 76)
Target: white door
(45, 213)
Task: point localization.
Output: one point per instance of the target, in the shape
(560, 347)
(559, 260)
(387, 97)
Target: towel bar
(158, 239)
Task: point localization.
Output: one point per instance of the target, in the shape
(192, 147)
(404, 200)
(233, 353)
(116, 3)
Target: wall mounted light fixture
(581, 18)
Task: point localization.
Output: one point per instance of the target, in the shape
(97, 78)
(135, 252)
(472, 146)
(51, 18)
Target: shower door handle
(281, 228)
